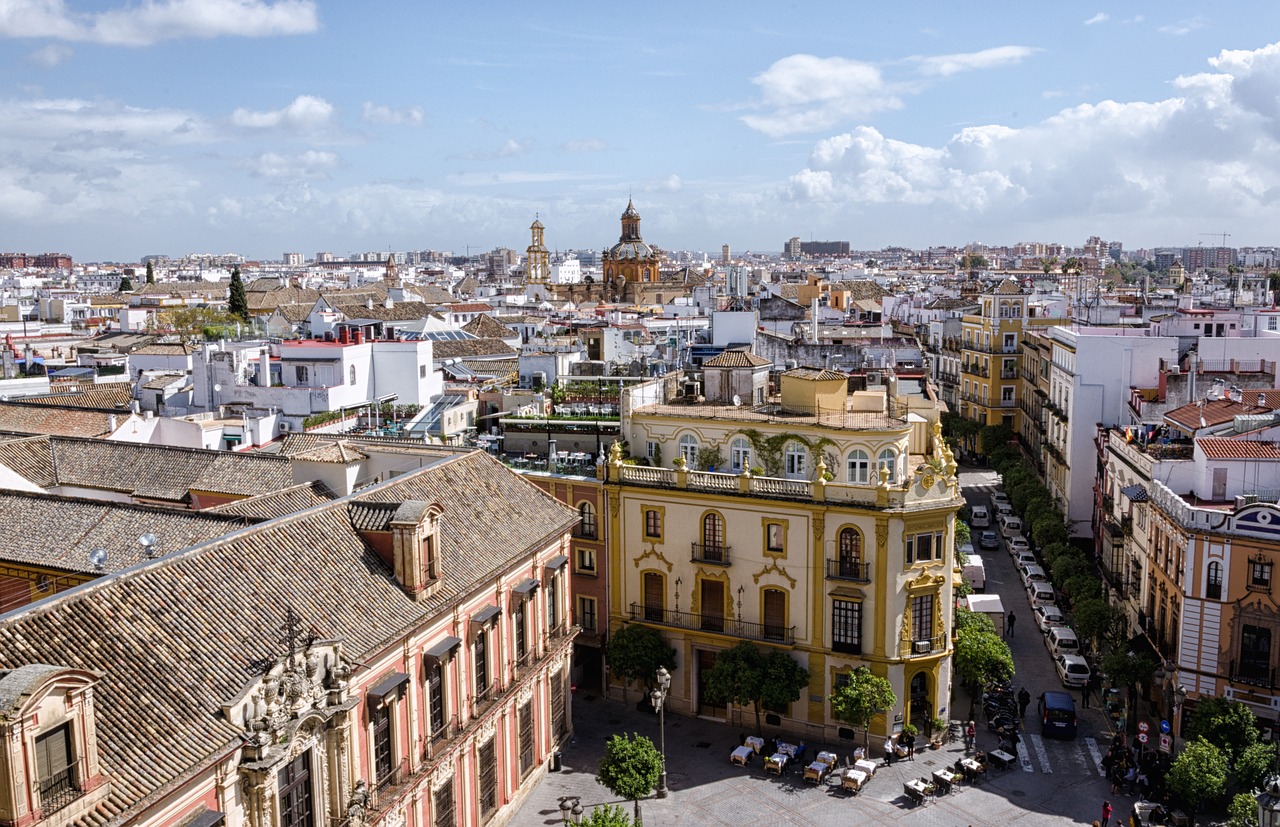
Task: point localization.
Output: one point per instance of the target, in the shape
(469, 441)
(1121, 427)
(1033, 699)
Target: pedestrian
(1009, 620)
(1106, 813)
(970, 737)
(888, 751)
(1024, 699)
(1013, 741)
(909, 740)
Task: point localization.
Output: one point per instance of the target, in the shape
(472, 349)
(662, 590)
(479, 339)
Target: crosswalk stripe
(1037, 744)
(1096, 755)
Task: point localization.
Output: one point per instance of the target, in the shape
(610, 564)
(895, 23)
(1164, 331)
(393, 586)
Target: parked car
(1058, 715)
(979, 517)
(1010, 526)
(1023, 559)
(1003, 510)
(1048, 616)
(1032, 574)
(975, 572)
(1061, 640)
(1017, 543)
(999, 498)
(988, 539)
(1072, 670)
(1040, 593)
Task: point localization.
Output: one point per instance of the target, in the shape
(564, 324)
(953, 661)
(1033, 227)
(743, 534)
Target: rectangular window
(296, 806)
(488, 781)
(300, 375)
(553, 603)
(58, 784)
(1259, 575)
(922, 617)
(435, 699)
(442, 800)
(846, 626)
(651, 451)
(1255, 654)
(558, 719)
(522, 638)
(840, 680)
(652, 523)
(383, 763)
(921, 548)
(480, 658)
(587, 613)
(587, 560)
(773, 538)
(653, 597)
(526, 737)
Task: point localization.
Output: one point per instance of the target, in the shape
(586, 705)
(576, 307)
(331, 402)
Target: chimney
(359, 334)
(264, 368)
(813, 314)
(415, 546)
(111, 423)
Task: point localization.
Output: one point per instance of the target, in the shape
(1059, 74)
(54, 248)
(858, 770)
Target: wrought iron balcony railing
(718, 624)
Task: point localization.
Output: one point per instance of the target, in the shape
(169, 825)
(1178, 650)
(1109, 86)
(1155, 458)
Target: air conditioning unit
(923, 647)
(1176, 370)
(285, 427)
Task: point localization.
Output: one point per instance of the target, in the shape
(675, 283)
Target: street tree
(1098, 622)
(982, 658)
(151, 272)
(1198, 774)
(126, 285)
(970, 622)
(861, 698)
(1233, 728)
(630, 768)
(635, 652)
(746, 675)
(192, 322)
(608, 815)
(1243, 811)
(237, 301)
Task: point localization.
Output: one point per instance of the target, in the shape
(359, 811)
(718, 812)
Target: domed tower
(631, 260)
(537, 260)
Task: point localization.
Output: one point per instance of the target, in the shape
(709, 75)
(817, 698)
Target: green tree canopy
(968, 622)
(237, 301)
(963, 533)
(1128, 669)
(862, 698)
(1233, 728)
(1243, 811)
(982, 658)
(1099, 622)
(1199, 773)
(635, 652)
(151, 273)
(126, 285)
(1066, 566)
(1252, 765)
(609, 815)
(746, 674)
(190, 322)
(630, 768)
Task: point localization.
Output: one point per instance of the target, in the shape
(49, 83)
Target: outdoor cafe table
(853, 779)
(944, 779)
(869, 767)
(741, 756)
(1001, 758)
(972, 769)
(755, 742)
(817, 772)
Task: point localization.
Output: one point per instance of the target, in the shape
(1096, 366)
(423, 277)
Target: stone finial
(882, 480)
(615, 453)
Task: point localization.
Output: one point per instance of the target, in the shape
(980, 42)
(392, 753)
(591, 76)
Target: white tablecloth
(741, 755)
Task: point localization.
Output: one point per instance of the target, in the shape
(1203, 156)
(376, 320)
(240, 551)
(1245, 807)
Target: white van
(1062, 641)
(1011, 526)
(975, 572)
(1040, 593)
(979, 517)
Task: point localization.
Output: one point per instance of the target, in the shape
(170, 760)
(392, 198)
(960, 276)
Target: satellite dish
(217, 388)
(98, 558)
(737, 401)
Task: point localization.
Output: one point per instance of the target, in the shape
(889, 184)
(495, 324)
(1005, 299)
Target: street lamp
(571, 813)
(659, 698)
(1269, 802)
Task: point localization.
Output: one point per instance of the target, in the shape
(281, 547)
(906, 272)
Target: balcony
(716, 555)
(714, 623)
(1008, 403)
(61, 788)
(848, 570)
(1253, 677)
(926, 646)
(948, 378)
(974, 369)
(1126, 525)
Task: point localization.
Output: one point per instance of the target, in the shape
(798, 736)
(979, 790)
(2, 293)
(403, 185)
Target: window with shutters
(653, 596)
(296, 804)
(383, 764)
(775, 614)
(587, 613)
(446, 814)
(586, 527)
(55, 767)
(480, 660)
(526, 737)
(488, 780)
(653, 523)
(846, 627)
(435, 699)
(558, 719)
(520, 631)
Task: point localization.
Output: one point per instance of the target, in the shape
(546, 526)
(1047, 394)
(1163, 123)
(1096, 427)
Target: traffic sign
(1143, 726)
(1142, 737)
(1166, 743)
(1164, 727)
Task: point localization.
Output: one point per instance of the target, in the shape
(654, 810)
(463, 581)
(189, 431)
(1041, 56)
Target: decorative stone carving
(652, 551)
(774, 567)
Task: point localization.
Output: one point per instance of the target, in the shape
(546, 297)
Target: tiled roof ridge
(121, 506)
(211, 452)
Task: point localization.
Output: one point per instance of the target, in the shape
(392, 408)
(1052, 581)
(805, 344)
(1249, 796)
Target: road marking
(1096, 755)
(1038, 744)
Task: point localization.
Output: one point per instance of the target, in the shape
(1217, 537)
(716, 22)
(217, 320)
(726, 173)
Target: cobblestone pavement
(1054, 783)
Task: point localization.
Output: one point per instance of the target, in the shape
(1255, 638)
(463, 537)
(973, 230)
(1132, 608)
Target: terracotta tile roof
(815, 373)
(277, 503)
(467, 307)
(486, 327)
(400, 312)
(107, 396)
(493, 367)
(296, 443)
(1226, 448)
(167, 673)
(53, 420)
(295, 313)
(166, 349)
(736, 359)
(1214, 412)
(461, 348)
(336, 452)
(31, 457)
(59, 532)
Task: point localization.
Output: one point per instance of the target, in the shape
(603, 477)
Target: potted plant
(939, 726)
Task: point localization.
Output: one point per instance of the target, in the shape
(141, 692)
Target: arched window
(712, 536)
(739, 455)
(795, 461)
(850, 547)
(352, 379)
(859, 467)
(689, 450)
(887, 465)
(587, 521)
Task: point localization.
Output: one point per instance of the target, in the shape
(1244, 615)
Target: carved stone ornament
(652, 551)
(440, 777)
(395, 818)
(774, 567)
(927, 480)
(525, 693)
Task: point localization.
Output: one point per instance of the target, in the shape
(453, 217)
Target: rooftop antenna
(98, 558)
(148, 543)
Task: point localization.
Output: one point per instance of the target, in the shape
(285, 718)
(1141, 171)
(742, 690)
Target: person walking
(1024, 700)
(1009, 620)
(888, 751)
(970, 737)
(909, 741)
(1094, 684)
(1106, 813)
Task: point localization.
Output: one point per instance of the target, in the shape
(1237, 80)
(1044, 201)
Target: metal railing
(714, 623)
(61, 788)
(848, 570)
(715, 554)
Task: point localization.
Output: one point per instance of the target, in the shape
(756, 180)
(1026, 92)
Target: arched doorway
(921, 708)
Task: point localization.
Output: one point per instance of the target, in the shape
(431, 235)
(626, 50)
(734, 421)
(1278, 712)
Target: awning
(388, 686)
(443, 648)
(556, 563)
(485, 615)
(525, 587)
(1136, 493)
(205, 818)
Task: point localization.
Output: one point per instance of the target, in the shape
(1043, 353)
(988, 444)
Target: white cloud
(309, 164)
(946, 65)
(586, 145)
(510, 148)
(1149, 165)
(672, 183)
(304, 113)
(51, 55)
(152, 21)
(377, 113)
(1100, 17)
(1183, 26)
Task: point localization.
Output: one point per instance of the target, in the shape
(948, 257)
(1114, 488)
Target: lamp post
(1269, 802)
(571, 809)
(659, 698)
(1175, 726)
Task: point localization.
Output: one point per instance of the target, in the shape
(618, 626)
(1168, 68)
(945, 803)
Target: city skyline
(178, 126)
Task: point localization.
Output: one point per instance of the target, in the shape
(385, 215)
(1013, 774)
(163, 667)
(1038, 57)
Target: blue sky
(252, 126)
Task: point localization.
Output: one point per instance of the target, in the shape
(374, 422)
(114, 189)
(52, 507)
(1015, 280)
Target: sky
(136, 127)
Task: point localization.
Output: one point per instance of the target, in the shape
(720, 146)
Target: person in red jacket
(1106, 813)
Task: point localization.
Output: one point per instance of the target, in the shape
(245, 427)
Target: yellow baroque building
(819, 521)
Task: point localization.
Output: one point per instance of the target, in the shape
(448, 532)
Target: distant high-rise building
(724, 254)
(824, 248)
(792, 248)
(323, 258)
(294, 259)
